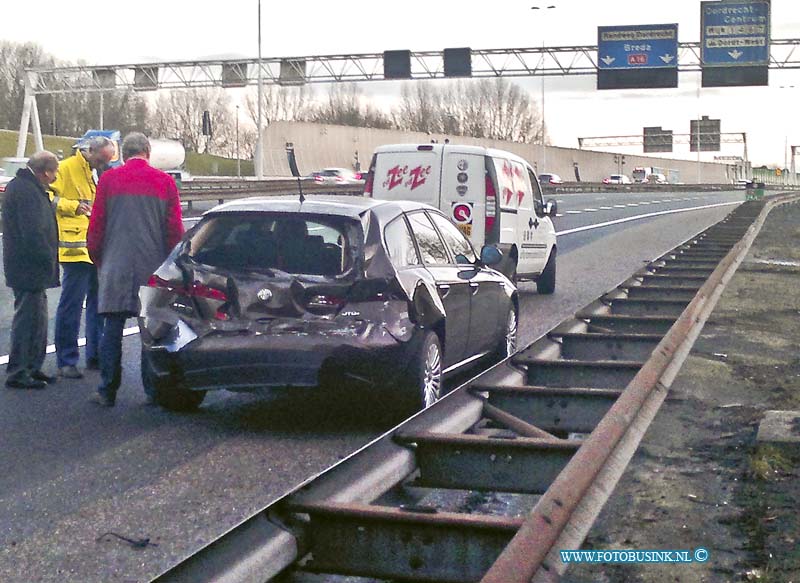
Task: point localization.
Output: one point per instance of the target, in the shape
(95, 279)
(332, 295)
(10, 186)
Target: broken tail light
(196, 290)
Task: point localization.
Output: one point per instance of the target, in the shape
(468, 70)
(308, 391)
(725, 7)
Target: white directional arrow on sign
(608, 59)
(667, 58)
(735, 54)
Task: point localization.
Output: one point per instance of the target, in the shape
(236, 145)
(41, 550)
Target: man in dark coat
(135, 222)
(30, 263)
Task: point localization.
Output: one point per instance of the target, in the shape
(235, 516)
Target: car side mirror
(491, 255)
(550, 207)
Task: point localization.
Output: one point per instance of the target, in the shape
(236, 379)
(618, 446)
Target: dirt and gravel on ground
(699, 479)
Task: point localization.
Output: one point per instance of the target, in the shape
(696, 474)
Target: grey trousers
(28, 334)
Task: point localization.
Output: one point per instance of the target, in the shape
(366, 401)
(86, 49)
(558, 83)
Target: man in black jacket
(30, 262)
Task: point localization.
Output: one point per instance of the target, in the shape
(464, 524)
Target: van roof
(455, 148)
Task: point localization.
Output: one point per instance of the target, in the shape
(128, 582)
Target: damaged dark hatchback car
(275, 292)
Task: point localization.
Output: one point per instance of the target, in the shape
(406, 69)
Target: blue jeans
(78, 282)
(111, 353)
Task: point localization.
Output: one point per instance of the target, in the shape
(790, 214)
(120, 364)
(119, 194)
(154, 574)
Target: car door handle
(474, 285)
(444, 289)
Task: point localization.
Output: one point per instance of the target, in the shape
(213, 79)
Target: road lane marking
(605, 208)
(51, 348)
(644, 216)
(590, 210)
(574, 212)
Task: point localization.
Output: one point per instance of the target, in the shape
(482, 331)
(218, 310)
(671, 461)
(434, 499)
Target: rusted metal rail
(550, 428)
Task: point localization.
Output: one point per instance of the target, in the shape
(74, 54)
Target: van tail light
(491, 206)
(369, 177)
(368, 182)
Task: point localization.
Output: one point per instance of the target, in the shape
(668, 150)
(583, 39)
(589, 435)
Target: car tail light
(2, 187)
(318, 178)
(197, 289)
(200, 290)
(491, 205)
(162, 283)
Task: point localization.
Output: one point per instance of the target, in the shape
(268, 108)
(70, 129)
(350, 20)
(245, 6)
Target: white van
(493, 196)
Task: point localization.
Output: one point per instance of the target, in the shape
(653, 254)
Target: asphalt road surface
(73, 472)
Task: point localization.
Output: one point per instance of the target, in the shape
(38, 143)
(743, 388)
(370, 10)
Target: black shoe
(93, 364)
(25, 383)
(40, 376)
(101, 400)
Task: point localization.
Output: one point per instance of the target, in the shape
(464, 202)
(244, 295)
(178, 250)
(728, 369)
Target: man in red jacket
(135, 222)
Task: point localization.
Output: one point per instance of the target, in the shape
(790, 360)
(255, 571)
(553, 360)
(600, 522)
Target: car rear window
(294, 243)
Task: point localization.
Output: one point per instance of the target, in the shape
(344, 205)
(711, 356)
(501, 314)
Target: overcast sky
(146, 30)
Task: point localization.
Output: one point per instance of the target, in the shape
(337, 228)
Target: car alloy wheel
(432, 375)
(511, 333)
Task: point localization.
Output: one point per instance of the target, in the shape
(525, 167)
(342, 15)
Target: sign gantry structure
(294, 71)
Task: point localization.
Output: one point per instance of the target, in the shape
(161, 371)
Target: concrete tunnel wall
(319, 146)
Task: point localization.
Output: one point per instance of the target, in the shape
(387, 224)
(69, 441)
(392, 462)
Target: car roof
(454, 148)
(341, 205)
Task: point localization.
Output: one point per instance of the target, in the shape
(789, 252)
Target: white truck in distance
(492, 196)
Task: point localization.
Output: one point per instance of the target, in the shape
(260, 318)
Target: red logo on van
(418, 176)
(397, 175)
(394, 177)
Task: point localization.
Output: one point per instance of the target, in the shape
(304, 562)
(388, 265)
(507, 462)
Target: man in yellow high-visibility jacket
(73, 194)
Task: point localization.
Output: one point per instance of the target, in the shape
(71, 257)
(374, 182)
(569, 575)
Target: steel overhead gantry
(289, 71)
(589, 142)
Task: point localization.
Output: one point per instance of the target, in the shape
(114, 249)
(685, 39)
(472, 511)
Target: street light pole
(542, 129)
(259, 142)
(238, 158)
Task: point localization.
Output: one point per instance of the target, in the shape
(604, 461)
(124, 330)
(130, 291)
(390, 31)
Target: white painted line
(645, 202)
(51, 348)
(605, 208)
(632, 204)
(590, 210)
(645, 216)
(619, 206)
(559, 215)
(574, 212)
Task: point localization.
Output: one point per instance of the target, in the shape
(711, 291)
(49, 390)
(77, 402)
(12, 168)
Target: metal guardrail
(560, 420)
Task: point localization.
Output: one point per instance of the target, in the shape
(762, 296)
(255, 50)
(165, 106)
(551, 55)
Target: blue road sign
(645, 46)
(734, 33)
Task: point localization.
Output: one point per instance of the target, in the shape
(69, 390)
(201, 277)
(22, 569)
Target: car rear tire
(546, 282)
(421, 383)
(172, 397)
(507, 345)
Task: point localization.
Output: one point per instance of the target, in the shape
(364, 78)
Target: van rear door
(463, 192)
(408, 174)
